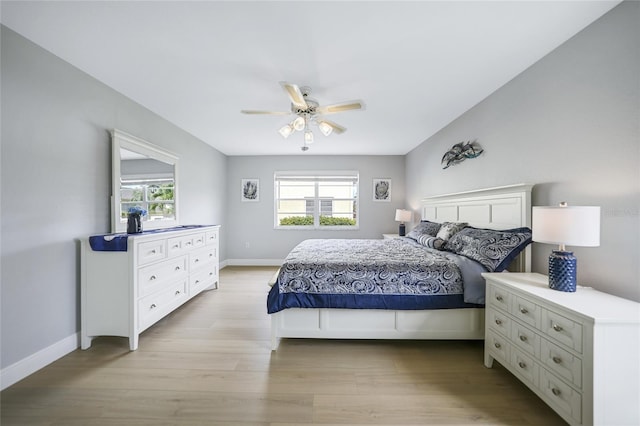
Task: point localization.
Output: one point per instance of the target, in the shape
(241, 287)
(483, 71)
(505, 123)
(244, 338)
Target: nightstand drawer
(525, 339)
(526, 311)
(525, 366)
(498, 346)
(498, 321)
(565, 399)
(561, 362)
(563, 330)
(499, 298)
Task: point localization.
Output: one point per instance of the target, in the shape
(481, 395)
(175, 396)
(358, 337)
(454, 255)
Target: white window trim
(315, 174)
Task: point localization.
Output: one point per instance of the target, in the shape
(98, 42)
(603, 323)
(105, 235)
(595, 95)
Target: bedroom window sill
(320, 228)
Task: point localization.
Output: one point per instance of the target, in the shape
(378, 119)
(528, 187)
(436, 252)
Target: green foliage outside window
(324, 221)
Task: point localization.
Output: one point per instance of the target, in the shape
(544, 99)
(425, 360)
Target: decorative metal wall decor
(460, 152)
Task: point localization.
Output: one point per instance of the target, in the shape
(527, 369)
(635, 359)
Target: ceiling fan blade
(341, 107)
(335, 126)
(295, 94)
(246, 111)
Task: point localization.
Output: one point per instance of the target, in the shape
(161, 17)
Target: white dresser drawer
(211, 237)
(202, 279)
(184, 244)
(157, 305)
(525, 366)
(499, 321)
(525, 339)
(561, 396)
(151, 251)
(561, 362)
(526, 311)
(202, 257)
(563, 330)
(151, 278)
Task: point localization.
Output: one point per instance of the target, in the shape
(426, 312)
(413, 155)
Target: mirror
(144, 176)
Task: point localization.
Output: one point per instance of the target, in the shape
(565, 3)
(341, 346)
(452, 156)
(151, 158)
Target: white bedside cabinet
(579, 352)
(390, 236)
(130, 282)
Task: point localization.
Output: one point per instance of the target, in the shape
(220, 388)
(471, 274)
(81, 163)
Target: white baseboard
(29, 365)
(252, 262)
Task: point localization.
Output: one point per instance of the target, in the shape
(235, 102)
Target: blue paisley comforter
(375, 274)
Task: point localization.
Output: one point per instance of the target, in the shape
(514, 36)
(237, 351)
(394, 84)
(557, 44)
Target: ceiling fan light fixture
(286, 130)
(299, 123)
(308, 137)
(325, 128)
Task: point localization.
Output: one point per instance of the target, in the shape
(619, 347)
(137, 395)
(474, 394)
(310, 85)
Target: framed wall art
(250, 190)
(382, 189)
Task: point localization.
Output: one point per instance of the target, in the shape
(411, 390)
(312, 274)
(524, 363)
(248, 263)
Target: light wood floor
(210, 363)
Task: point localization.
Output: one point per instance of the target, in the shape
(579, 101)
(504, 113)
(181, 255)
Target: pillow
(448, 229)
(493, 249)
(424, 228)
(431, 242)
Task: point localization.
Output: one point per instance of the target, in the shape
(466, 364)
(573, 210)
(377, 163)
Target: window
(153, 195)
(323, 200)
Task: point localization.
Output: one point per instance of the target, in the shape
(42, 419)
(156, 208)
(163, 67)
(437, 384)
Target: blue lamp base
(562, 271)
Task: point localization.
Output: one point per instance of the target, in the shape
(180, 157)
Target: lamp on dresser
(565, 225)
(402, 216)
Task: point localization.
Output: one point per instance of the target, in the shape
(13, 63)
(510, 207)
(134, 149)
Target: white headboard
(502, 207)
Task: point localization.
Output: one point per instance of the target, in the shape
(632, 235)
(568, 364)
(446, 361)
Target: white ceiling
(417, 65)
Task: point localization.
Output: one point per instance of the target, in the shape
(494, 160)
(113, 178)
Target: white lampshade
(299, 123)
(308, 137)
(403, 215)
(325, 128)
(285, 131)
(571, 225)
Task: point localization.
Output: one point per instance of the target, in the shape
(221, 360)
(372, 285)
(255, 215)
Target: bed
(419, 293)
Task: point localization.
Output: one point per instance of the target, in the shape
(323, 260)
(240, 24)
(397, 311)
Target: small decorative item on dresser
(576, 226)
(134, 220)
(402, 216)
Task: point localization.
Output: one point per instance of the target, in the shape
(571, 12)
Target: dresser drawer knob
(177, 292)
(176, 246)
(556, 359)
(196, 261)
(556, 391)
(152, 277)
(210, 273)
(556, 327)
(197, 281)
(499, 298)
(153, 251)
(497, 345)
(153, 305)
(177, 268)
(523, 338)
(522, 364)
(498, 321)
(524, 311)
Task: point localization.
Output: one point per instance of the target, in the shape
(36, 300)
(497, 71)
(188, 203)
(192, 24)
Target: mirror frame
(120, 139)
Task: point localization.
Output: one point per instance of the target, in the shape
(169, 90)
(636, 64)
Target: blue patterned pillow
(431, 242)
(424, 228)
(449, 229)
(493, 249)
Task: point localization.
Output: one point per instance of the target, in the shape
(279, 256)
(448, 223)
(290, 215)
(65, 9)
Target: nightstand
(390, 236)
(577, 351)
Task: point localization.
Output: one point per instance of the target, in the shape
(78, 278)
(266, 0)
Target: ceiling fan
(309, 111)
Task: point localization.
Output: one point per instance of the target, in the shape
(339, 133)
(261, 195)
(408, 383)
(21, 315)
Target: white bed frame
(495, 208)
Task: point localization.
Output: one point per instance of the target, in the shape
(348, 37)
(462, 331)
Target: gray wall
(569, 124)
(253, 223)
(56, 184)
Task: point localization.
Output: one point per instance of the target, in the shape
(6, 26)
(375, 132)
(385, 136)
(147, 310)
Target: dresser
(579, 352)
(129, 282)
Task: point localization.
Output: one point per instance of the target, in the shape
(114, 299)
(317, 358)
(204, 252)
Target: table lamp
(564, 225)
(402, 216)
